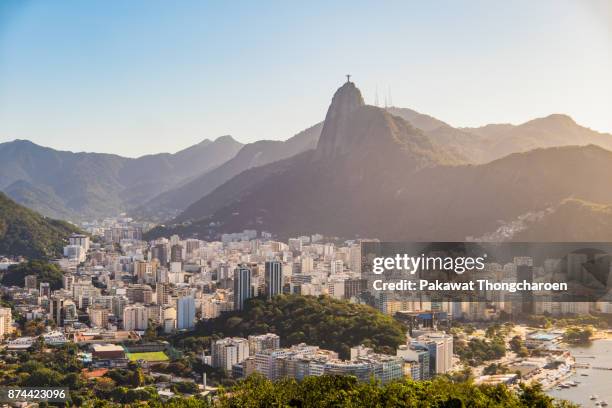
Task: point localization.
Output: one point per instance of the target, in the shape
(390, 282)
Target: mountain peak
(346, 100)
(226, 139)
(556, 120)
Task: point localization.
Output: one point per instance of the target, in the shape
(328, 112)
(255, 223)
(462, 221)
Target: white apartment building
(229, 351)
(135, 317)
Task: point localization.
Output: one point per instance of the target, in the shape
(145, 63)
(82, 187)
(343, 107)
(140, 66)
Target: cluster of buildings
(489, 305)
(119, 282)
(428, 354)
(114, 281)
(116, 229)
(118, 285)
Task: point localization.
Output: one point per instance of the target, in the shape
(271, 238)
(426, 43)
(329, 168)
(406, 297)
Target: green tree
(44, 377)
(330, 323)
(43, 270)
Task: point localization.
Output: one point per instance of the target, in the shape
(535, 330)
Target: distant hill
(491, 142)
(23, 232)
(43, 270)
(89, 185)
(550, 131)
(373, 174)
(170, 203)
(41, 199)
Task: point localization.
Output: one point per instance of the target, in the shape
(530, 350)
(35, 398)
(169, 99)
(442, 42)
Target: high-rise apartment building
(185, 313)
(135, 317)
(229, 351)
(98, 316)
(242, 286)
(273, 278)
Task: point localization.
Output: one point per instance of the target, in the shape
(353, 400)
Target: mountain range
(391, 173)
(374, 174)
(172, 202)
(491, 142)
(79, 186)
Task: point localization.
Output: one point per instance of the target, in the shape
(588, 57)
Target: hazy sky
(135, 77)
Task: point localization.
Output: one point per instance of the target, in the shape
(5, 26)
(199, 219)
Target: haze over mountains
(89, 185)
(389, 173)
(170, 203)
(373, 174)
(490, 142)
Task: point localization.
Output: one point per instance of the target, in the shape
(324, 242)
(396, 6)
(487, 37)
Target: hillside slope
(89, 185)
(170, 203)
(374, 175)
(23, 232)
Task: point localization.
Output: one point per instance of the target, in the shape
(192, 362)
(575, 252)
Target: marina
(587, 384)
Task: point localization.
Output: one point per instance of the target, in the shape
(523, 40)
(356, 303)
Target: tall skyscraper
(242, 286)
(185, 313)
(273, 278)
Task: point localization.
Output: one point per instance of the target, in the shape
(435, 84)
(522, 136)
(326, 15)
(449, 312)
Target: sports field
(150, 356)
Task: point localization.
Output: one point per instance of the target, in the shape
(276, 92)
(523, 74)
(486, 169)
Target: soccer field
(151, 356)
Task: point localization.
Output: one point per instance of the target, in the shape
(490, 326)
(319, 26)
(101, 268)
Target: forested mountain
(23, 232)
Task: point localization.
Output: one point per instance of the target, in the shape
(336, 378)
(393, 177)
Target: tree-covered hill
(44, 272)
(24, 232)
(329, 323)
